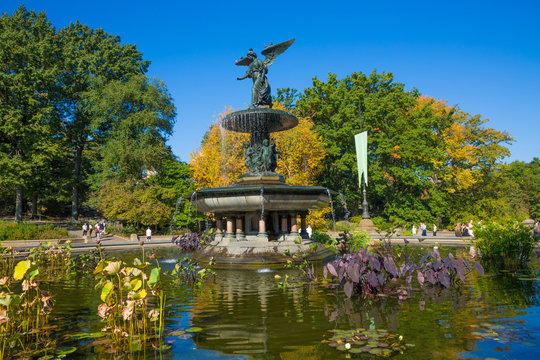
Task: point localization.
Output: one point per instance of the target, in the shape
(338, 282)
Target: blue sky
(482, 55)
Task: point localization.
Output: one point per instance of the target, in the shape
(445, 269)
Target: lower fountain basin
(251, 198)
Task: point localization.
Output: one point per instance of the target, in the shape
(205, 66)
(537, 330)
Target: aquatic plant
(52, 254)
(24, 315)
(131, 319)
(189, 272)
(372, 341)
(509, 243)
(192, 241)
(377, 273)
(7, 254)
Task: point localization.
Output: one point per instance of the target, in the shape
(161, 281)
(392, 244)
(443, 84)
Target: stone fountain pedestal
(260, 219)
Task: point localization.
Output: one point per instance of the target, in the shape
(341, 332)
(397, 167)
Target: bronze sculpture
(257, 70)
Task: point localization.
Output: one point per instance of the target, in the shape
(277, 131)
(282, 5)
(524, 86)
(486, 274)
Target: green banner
(360, 140)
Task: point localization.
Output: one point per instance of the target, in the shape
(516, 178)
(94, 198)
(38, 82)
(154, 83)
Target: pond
(244, 315)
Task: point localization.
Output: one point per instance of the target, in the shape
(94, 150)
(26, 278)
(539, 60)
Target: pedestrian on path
(148, 234)
(90, 228)
(414, 230)
(423, 228)
(434, 230)
(84, 229)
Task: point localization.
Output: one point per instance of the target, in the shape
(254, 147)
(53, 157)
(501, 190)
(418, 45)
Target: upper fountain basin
(259, 120)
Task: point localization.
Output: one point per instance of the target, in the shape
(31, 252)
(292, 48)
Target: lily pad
(66, 350)
(194, 329)
(333, 344)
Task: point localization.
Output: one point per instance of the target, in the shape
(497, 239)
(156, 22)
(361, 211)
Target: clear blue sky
(482, 55)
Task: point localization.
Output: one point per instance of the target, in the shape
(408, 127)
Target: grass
(24, 231)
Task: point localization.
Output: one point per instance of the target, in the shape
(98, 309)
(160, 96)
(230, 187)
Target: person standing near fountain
(148, 234)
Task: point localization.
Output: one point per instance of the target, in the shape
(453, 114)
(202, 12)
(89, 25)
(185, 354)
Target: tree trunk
(34, 206)
(76, 181)
(19, 204)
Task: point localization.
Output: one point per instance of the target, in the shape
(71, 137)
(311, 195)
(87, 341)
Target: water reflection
(244, 315)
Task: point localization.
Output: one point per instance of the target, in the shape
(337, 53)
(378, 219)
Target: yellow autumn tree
(466, 147)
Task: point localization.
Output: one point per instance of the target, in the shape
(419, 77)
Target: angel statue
(257, 70)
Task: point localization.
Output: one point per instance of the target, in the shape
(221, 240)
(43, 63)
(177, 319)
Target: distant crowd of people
(465, 229)
(98, 228)
(423, 230)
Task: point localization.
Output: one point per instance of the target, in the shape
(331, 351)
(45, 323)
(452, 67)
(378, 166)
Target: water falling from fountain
(347, 212)
(332, 208)
(178, 202)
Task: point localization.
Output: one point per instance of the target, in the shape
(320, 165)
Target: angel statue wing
(271, 52)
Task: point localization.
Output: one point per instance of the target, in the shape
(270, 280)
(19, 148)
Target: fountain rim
(287, 120)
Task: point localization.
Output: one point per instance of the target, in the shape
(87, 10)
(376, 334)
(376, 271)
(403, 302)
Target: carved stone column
(262, 228)
(284, 226)
(219, 228)
(240, 229)
(230, 227)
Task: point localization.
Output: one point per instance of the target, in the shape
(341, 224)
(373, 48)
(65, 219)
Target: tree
(418, 148)
(91, 59)
(28, 84)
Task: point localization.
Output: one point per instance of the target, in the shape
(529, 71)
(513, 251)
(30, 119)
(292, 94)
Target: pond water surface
(244, 315)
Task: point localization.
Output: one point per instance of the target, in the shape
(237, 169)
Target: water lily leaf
(8, 300)
(33, 273)
(112, 268)
(194, 329)
(355, 350)
(376, 351)
(142, 294)
(66, 350)
(333, 344)
(21, 268)
(136, 284)
(106, 291)
(85, 335)
(154, 276)
(341, 348)
(99, 267)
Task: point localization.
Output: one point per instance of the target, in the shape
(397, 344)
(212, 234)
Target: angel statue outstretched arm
(257, 70)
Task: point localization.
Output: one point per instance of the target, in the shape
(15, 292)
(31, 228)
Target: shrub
(344, 226)
(322, 238)
(355, 219)
(509, 243)
(25, 231)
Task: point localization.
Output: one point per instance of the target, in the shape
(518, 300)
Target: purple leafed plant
(378, 273)
(192, 241)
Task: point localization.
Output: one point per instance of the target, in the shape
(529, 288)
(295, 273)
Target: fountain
(257, 218)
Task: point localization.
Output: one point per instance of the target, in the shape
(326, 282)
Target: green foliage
(508, 243)
(421, 153)
(25, 231)
(186, 271)
(355, 219)
(344, 226)
(322, 238)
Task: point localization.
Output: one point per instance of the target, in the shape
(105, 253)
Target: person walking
(423, 228)
(84, 229)
(148, 234)
(434, 230)
(414, 230)
(90, 228)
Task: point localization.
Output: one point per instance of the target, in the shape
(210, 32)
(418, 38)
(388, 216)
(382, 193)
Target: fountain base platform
(257, 253)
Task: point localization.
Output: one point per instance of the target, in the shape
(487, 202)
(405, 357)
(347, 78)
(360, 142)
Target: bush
(355, 219)
(343, 226)
(25, 231)
(125, 230)
(509, 243)
(322, 238)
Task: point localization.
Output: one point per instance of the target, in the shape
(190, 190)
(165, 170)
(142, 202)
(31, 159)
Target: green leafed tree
(29, 68)
(91, 59)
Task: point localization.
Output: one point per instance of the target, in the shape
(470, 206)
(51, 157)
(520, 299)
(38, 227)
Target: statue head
(265, 142)
(251, 54)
